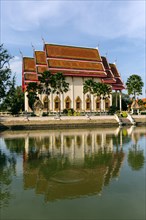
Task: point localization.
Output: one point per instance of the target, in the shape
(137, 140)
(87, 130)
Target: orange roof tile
(29, 76)
(114, 70)
(40, 57)
(69, 64)
(29, 64)
(41, 69)
(70, 52)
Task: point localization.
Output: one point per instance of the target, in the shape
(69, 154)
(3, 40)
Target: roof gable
(70, 52)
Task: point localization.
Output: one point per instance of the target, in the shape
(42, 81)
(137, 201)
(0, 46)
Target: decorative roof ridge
(29, 57)
(40, 51)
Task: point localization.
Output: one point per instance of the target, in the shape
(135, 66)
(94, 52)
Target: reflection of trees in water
(69, 139)
(125, 139)
(79, 140)
(39, 142)
(89, 139)
(98, 139)
(46, 166)
(58, 141)
(136, 157)
(15, 145)
(7, 169)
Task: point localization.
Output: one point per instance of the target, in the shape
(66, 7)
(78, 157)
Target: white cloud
(108, 19)
(16, 67)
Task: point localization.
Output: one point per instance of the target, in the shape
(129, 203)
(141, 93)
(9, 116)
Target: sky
(116, 27)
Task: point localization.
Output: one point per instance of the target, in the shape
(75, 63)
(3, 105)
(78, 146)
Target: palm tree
(88, 86)
(102, 90)
(32, 89)
(59, 85)
(46, 87)
(134, 85)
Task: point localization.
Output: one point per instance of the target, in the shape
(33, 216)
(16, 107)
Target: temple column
(26, 106)
(111, 99)
(116, 99)
(62, 102)
(83, 99)
(92, 103)
(120, 101)
(72, 93)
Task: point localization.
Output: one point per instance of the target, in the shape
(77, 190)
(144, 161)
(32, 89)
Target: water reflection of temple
(68, 164)
(75, 145)
(61, 164)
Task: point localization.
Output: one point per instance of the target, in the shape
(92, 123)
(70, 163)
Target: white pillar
(72, 93)
(26, 106)
(120, 100)
(92, 103)
(116, 99)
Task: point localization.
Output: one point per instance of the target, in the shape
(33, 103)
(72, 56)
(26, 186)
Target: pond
(73, 174)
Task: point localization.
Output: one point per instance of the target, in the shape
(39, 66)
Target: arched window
(67, 102)
(78, 103)
(107, 103)
(46, 102)
(98, 102)
(88, 103)
(57, 103)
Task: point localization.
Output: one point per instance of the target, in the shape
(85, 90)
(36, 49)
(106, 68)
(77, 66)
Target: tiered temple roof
(119, 85)
(71, 61)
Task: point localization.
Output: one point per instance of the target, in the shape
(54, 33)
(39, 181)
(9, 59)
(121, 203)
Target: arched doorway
(67, 102)
(78, 103)
(57, 103)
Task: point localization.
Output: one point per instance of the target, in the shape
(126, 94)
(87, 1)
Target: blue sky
(116, 27)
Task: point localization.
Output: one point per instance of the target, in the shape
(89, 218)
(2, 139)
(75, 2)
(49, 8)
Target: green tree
(5, 72)
(134, 85)
(102, 90)
(59, 85)
(14, 101)
(32, 90)
(46, 81)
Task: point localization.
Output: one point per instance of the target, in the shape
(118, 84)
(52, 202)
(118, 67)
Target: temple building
(77, 64)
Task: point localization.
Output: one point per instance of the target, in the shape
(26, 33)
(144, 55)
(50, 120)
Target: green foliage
(32, 89)
(134, 85)
(88, 86)
(5, 72)
(124, 114)
(68, 112)
(143, 113)
(77, 114)
(112, 110)
(136, 158)
(59, 84)
(45, 114)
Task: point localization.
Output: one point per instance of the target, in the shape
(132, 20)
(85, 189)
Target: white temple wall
(75, 90)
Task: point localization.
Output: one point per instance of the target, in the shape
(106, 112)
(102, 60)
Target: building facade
(77, 64)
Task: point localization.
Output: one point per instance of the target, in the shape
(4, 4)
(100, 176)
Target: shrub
(124, 114)
(112, 110)
(143, 113)
(45, 114)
